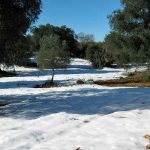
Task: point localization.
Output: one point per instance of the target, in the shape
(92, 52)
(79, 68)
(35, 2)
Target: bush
(96, 54)
(47, 84)
(146, 77)
(52, 54)
(80, 81)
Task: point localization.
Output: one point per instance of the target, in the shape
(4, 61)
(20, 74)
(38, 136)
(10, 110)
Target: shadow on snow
(85, 101)
(66, 72)
(36, 73)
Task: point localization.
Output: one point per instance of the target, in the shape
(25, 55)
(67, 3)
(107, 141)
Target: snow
(64, 118)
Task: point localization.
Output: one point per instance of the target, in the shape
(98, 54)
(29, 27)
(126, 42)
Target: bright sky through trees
(89, 16)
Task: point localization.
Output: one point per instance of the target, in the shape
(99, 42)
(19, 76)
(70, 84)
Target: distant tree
(113, 45)
(96, 54)
(64, 34)
(15, 18)
(82, 47)
(52, 54)
(68, 35)
(85, 38)
(83, 41)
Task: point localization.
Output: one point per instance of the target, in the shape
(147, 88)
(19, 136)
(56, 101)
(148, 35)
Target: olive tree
(16, 16)
(133, 23)
(52, 54)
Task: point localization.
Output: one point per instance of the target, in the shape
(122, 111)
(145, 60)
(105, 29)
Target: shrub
(146, 77)
(80, 81)
(96, 54)
(47, 84)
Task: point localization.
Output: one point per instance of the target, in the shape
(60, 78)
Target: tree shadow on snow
(38, 73)
(85, 101)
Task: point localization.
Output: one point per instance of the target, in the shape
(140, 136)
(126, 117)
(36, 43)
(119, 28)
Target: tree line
(130, 37)
(128, 42)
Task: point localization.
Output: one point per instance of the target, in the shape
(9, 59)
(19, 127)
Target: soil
(118, 83)
(132, 80)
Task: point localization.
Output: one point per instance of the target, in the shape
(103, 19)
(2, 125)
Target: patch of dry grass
(135, 79)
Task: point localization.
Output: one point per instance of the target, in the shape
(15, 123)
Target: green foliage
(85, 38)
(129, 41)
(80, 81)
(146, 77)
(52, 54)
(135, 15)
(113, 45)
(15, 18)
(64, 34)
(82, 47)
(16, 51)
(22, 51)
(96, 54)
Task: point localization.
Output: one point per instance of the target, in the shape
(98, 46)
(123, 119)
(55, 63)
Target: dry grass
(136, 79)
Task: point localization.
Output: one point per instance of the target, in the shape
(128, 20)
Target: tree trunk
(52, 79)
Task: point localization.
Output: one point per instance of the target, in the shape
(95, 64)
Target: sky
(88, 16)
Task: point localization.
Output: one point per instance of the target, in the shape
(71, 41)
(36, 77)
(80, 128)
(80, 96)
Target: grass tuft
(47, 84)
(80, 81)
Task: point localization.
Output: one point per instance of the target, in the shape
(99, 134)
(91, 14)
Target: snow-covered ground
(91, 117)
